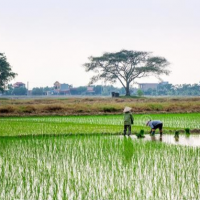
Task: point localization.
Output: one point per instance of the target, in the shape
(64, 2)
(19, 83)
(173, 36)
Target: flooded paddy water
(192, 140)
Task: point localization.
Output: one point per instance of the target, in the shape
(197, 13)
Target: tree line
(106, 90)
(123, 66)
(174, 90)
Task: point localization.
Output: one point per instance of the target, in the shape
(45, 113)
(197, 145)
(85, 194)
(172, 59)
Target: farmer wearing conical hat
(154, 124)
(128, 120)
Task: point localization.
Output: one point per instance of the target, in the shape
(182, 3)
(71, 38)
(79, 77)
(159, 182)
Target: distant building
(18, 85)
(57, 85)
(90, 90)
(153, 86)
(64, 88)
(146, 86)
(164, 83)
(61, 88)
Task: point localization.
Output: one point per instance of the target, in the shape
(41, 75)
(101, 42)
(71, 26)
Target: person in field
(128, 120)
(154, 124)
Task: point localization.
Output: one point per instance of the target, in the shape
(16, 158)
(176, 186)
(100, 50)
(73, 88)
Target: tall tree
(20, 91)
(126, 66)
(6, 73)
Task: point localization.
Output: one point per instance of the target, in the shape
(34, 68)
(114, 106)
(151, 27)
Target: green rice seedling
(187, 131)
(176, 134)
(57, 125)
(140, 134)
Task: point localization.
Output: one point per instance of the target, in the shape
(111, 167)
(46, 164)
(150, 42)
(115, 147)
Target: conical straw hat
(147, 123)
(127, 109)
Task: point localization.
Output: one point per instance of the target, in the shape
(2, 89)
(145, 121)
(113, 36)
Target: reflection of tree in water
(128, 150)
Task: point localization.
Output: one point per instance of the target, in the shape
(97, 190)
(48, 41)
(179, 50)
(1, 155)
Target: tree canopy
(19, 91)
(6, 73)
(126, 66)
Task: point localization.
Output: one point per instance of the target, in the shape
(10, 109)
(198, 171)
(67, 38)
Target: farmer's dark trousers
(129, 129)
(160, 126)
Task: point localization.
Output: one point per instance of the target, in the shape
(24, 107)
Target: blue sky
(49, 40)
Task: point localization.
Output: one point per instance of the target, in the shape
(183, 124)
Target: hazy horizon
(48, 41)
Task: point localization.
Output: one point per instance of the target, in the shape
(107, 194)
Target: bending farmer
(154, 125)
(128, 120)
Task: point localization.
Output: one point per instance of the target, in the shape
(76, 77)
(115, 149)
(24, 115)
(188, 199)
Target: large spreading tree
(126, 66)
(6, 73)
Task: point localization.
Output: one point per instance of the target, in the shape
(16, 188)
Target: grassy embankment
(90, 106)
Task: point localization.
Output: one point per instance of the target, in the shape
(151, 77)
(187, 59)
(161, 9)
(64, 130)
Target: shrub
(53, 108)
(29, 109)
(109, 109)
(140, 93)
(156, 107)
(7, 109)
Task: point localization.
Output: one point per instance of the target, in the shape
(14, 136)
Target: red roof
(19, 83)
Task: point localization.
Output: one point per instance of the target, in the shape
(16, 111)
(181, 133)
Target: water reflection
(192, 140)
(176, 139)
(128, 150)
(154, 138)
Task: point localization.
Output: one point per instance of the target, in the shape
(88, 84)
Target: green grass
(11, 126)
(96, 167)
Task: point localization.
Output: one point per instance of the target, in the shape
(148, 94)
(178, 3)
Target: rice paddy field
(112, 124)
(86, 157)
